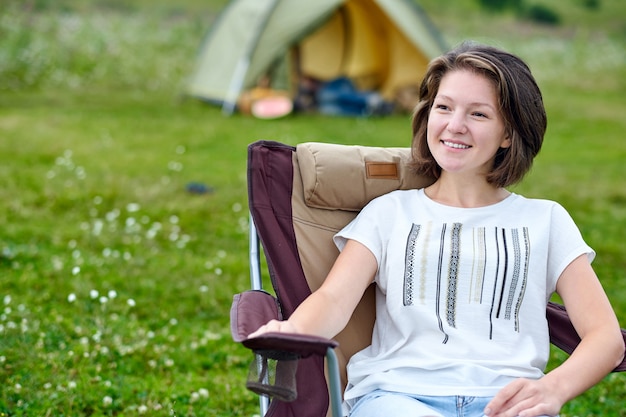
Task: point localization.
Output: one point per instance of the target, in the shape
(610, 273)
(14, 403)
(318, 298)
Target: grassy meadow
(116, 281)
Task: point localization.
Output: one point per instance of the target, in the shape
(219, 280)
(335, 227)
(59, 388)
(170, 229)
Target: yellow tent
(381, 45)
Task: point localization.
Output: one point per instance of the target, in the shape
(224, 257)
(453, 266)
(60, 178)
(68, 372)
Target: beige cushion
(346, 177)
(331, 183)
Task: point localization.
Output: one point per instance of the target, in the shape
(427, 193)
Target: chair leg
(334, 382)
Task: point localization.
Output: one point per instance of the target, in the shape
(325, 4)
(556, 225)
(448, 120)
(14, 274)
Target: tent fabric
(380, 44)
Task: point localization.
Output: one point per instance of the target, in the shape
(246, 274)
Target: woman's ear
(506, 141)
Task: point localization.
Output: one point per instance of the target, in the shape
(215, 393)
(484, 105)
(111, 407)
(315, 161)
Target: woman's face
(465, 127)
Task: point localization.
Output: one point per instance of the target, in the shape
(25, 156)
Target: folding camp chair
(299, 198)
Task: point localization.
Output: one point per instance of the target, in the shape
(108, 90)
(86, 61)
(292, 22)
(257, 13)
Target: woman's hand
(525, 398)
(274, 326)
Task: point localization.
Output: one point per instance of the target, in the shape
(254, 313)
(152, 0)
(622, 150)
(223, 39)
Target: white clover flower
(133, 207)
(103, 300)
(17, 387)
(94, 294)
(107, 401)
(142, 409)
(112, 294)
(71, 385)
(71, 298)
(131, 302)
(194, 397)
(76, 270)
(7, 299)
(204, 393)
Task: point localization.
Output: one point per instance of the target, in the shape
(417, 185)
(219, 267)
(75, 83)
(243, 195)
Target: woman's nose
(456, 124)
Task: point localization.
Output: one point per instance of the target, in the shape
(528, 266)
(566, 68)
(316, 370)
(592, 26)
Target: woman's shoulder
(398, 196)
(538, 205)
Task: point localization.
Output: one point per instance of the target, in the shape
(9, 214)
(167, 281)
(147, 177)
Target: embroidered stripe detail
(453, 272)
(516, 272)
(506, 265)
(495, 285)
(525, 277)
(424, 264)
(439, 271)
(478, 266)
(409, 265)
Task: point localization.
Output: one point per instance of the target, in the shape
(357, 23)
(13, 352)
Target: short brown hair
(519, 99)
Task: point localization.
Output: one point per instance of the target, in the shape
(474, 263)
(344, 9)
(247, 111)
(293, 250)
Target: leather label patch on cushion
(382, 170)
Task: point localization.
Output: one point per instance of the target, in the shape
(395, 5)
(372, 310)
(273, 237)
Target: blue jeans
(391, 404)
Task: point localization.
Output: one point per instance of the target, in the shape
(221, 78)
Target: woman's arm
(327, 311)
(601, 349)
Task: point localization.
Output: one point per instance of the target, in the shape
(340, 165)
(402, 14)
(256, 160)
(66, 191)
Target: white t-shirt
(461, 292)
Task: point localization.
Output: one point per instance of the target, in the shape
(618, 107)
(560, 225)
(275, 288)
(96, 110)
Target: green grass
(115, 282)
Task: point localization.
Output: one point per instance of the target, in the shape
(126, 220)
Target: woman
(464, 268)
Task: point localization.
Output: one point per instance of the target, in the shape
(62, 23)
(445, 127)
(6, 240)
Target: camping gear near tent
(382, 46)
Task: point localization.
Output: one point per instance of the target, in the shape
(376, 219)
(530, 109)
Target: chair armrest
(298, 345)
(249, 311)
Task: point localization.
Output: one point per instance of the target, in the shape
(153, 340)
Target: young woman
(464, 268)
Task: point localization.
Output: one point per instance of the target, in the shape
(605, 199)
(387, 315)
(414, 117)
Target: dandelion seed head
(131, 302)
(76, 270)
(7, 300)
(94, 294)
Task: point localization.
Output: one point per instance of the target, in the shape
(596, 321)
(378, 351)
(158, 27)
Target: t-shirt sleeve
(566, 243)
(366, 228)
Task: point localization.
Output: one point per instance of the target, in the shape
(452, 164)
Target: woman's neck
(465, 194)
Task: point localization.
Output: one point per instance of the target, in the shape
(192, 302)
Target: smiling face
(465, 127)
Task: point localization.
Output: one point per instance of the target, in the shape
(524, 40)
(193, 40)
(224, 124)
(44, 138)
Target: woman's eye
(479, 114)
